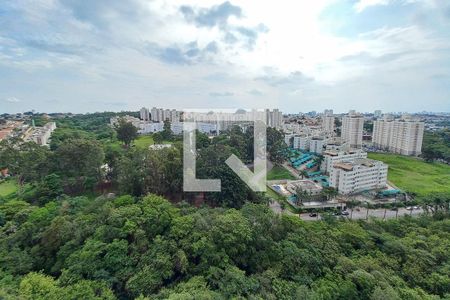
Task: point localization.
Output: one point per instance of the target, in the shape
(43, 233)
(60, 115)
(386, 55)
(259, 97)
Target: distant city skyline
(298, 56)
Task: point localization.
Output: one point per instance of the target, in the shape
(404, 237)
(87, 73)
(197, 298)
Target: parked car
(313, 215)
(416, 207)
(409, 208)
(345, 213)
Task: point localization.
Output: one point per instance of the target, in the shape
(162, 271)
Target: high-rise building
(145, 114)
(352, 129)
(156, 114)
(377, 114)
(403, 136)
(160, 115)
(328, 112)
(274, 118)
(328, 123)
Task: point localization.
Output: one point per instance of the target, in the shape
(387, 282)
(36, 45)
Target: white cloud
(125, 56)
(13, 100)
(363, 4)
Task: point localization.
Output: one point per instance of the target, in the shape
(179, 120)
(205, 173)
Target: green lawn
(414, 175)
(144, 141)
(7, 188)
(279, 173)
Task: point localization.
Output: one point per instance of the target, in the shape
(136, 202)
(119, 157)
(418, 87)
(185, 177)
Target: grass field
(414, 175)
(278, 173)
(7, 188)
(143, 141)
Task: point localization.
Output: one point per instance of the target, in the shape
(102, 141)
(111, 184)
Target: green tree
(126, 132)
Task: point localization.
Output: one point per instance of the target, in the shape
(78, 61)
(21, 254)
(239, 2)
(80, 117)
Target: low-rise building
(358, 176)
(306, 185)
(301, 142)
(40, 135)
(330, 157)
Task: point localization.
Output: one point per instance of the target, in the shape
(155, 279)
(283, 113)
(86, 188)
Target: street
(378, 213)
(358, 213)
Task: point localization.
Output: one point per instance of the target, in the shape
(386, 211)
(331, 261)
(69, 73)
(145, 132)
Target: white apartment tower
(328, 123)
(274, 118)
(403, 136)
(352, 129)
(145, 114)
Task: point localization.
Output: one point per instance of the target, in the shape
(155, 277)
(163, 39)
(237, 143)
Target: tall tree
(126, 132)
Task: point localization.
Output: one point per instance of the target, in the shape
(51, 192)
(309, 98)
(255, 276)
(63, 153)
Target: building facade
(403, 136)
(328, 124)
(358, 176)
(301, 142)
(145, 114)
(330, 157)
(316, 144)
(40, 135)
(352, 129)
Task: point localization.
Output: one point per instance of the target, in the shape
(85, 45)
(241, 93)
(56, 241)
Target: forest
(97, 217)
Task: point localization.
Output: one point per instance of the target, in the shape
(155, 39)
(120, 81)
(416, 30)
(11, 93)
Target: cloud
(13, 100)
(185, 54)
(224, 94)
(102, 13)
(217, 15)
(255, 92)
(364, 4)
(294, 78)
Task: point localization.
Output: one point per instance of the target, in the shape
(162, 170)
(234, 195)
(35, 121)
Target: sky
(113, 55)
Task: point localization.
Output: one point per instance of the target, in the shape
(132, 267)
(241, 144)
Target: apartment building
(352, 129)
(40, 135)
(152, 127)
(328, 124)
(226, 119)
(288, 139)
(160, 115)
(301, 142)
(403, 136)
(330, 157)
(274, 118)
(145, 114)
(358, 176)
(316, 144)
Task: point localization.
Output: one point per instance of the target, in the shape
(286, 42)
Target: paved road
(358, 213)
(378, 213)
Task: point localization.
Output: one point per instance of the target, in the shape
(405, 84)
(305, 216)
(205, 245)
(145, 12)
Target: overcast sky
(86, 56)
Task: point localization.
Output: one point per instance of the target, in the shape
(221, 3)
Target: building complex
(403, 136)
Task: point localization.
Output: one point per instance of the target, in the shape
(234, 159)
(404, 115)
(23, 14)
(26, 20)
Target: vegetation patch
(415, 175)
(7, 188)
(279, 173)
(144, 141)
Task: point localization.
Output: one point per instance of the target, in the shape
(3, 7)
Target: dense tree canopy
(126, 247)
